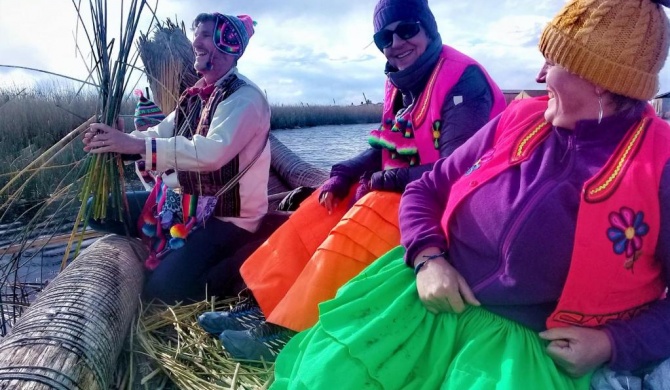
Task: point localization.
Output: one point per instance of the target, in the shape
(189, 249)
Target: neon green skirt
(376, 334)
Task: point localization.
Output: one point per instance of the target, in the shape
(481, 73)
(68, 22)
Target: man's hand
(441, 288)
(329, 201)
(100, 138)
(578, 350)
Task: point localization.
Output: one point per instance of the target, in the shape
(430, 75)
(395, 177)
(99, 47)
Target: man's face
(208, 59)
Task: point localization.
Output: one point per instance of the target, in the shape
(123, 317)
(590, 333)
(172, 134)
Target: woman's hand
(100, 138)
(578, 350)
(329, 201)
(441, 288)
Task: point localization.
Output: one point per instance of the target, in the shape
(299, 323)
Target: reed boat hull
(72, 335)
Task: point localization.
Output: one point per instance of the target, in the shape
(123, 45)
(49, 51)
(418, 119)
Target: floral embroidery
(486, 157)
(626, 234)
(436, 134)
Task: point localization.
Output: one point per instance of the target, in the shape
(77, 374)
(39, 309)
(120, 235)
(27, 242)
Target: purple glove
(364, 187)
(337, 185)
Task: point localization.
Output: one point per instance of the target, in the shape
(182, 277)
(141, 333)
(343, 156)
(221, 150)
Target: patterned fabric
(618, 292)
(168, 223)
(408, 137)
(147, 114)
(192, 118)
(232, 33)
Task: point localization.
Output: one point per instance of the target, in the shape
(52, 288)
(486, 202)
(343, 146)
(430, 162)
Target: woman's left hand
(100, 138)
(578, 350)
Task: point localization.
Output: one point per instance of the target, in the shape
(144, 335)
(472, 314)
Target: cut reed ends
(171, 337)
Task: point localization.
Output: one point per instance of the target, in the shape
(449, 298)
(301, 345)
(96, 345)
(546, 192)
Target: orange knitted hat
(620, 45)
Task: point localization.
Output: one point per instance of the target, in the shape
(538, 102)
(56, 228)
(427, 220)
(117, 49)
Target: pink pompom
(151, 262)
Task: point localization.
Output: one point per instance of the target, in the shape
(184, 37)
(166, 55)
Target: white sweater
(239, 126)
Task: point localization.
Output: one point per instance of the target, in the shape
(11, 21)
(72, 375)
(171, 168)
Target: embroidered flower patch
(626, 232)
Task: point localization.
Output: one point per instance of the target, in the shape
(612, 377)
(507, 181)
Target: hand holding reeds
(100, 138)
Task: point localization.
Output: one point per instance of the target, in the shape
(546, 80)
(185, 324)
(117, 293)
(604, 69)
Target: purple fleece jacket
(512, 239)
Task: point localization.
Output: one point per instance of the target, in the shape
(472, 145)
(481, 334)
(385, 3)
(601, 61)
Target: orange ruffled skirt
(313, 254)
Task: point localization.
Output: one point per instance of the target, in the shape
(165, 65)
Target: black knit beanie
(389, 11)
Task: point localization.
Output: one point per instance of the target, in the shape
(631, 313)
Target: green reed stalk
(106, 170)
(104, 183)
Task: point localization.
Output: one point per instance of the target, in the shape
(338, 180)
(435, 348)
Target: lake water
(324, 146)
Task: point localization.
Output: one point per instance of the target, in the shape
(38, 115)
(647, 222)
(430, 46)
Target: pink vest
(412, 137)
(617, 223)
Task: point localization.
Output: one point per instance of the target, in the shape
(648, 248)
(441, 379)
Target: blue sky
(304, 51)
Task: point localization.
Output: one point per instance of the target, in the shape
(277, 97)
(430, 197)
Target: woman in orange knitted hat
(535, 253)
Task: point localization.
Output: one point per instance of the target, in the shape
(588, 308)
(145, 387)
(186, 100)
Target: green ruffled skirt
(376, 334)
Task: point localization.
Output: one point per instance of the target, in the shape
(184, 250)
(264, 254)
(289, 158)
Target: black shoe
(243, 316)
(264, 341)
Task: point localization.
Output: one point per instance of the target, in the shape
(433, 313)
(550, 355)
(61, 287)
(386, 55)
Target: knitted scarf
(412, 81)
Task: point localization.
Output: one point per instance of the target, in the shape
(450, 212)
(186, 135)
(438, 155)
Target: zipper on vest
(526, 208)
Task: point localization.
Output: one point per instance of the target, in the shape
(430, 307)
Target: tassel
(151, 262)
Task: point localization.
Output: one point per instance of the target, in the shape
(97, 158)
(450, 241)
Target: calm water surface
(324, 146)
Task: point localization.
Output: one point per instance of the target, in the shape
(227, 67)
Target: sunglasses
(404, 30)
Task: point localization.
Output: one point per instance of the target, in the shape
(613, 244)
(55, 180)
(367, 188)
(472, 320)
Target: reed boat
(72, 334)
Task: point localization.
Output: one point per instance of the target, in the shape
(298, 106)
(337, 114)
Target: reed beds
(33, 120)
(305, 115)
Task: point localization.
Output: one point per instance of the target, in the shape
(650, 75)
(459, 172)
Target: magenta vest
(412, 137)
(613, 272)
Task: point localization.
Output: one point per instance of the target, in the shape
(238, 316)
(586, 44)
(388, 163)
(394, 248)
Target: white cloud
(303, 50)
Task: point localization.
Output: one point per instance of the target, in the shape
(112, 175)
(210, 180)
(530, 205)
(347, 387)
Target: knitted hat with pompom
(620, 45)
(147, 113)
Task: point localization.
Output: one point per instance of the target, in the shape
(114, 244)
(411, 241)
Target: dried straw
(168, 62)
(171, 337)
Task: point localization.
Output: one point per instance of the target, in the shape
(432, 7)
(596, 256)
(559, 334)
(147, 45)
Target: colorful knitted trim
(232, 33)
(147, 113)
(398, 138)
(177, 216)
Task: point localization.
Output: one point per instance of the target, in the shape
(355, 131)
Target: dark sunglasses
(404, 30)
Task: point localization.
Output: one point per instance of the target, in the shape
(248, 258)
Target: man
(214, 160)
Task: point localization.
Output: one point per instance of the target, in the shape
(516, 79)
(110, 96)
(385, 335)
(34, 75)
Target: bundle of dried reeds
(168, 62)
(193, 360)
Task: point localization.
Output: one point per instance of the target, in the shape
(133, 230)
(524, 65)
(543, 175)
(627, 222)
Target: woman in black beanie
(435, 99)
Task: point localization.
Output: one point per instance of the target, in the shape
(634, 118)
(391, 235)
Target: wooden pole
(71, 336)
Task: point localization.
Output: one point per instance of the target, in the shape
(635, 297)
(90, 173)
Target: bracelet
(153, 154)
(428, 258)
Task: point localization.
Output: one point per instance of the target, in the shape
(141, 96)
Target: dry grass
(178, 349)
(168, 62)
(305, 115)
